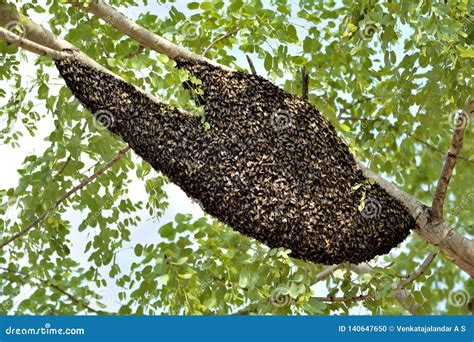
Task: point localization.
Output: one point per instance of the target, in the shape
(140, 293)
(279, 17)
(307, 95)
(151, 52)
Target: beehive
(271, 166)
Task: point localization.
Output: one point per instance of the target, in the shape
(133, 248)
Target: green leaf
(268, 62)
(167, 231)
(138, 249)
(193, 5)
(244, 278)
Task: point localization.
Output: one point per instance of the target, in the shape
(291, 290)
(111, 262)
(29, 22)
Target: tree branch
(28, 45)
(64, 197)
(38, 34)
(304, 83)
(139, 33)
(252, 67)
(135, 53)
(430, 146)
(327, 272)
(419, 271)
(399, 290)
(68, 159)
(449, 164)
(74, 299)
(434, 148)
(456, 247)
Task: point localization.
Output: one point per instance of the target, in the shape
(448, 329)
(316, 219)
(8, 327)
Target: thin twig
(352, 104)
(70, 154)
(135, 53)
(304, 83)
(450, 163)
(427, 144)
(252, 67)
(45, 214)
(342, 299)
(55, 287)
(72, 298)
(419, 271)
(221, 38)
(435, 149)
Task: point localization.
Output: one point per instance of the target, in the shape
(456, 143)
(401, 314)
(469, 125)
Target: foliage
(390, 75)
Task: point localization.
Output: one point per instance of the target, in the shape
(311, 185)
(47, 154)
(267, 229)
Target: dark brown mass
(271, 166)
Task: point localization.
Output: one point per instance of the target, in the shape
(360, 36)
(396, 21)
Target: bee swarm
(271, 166)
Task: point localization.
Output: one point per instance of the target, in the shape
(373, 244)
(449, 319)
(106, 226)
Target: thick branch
(64, 197)
(29, 45)
(454, 245)
(326, 272)
(137, 32)
(449, 164)
(38, 34)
